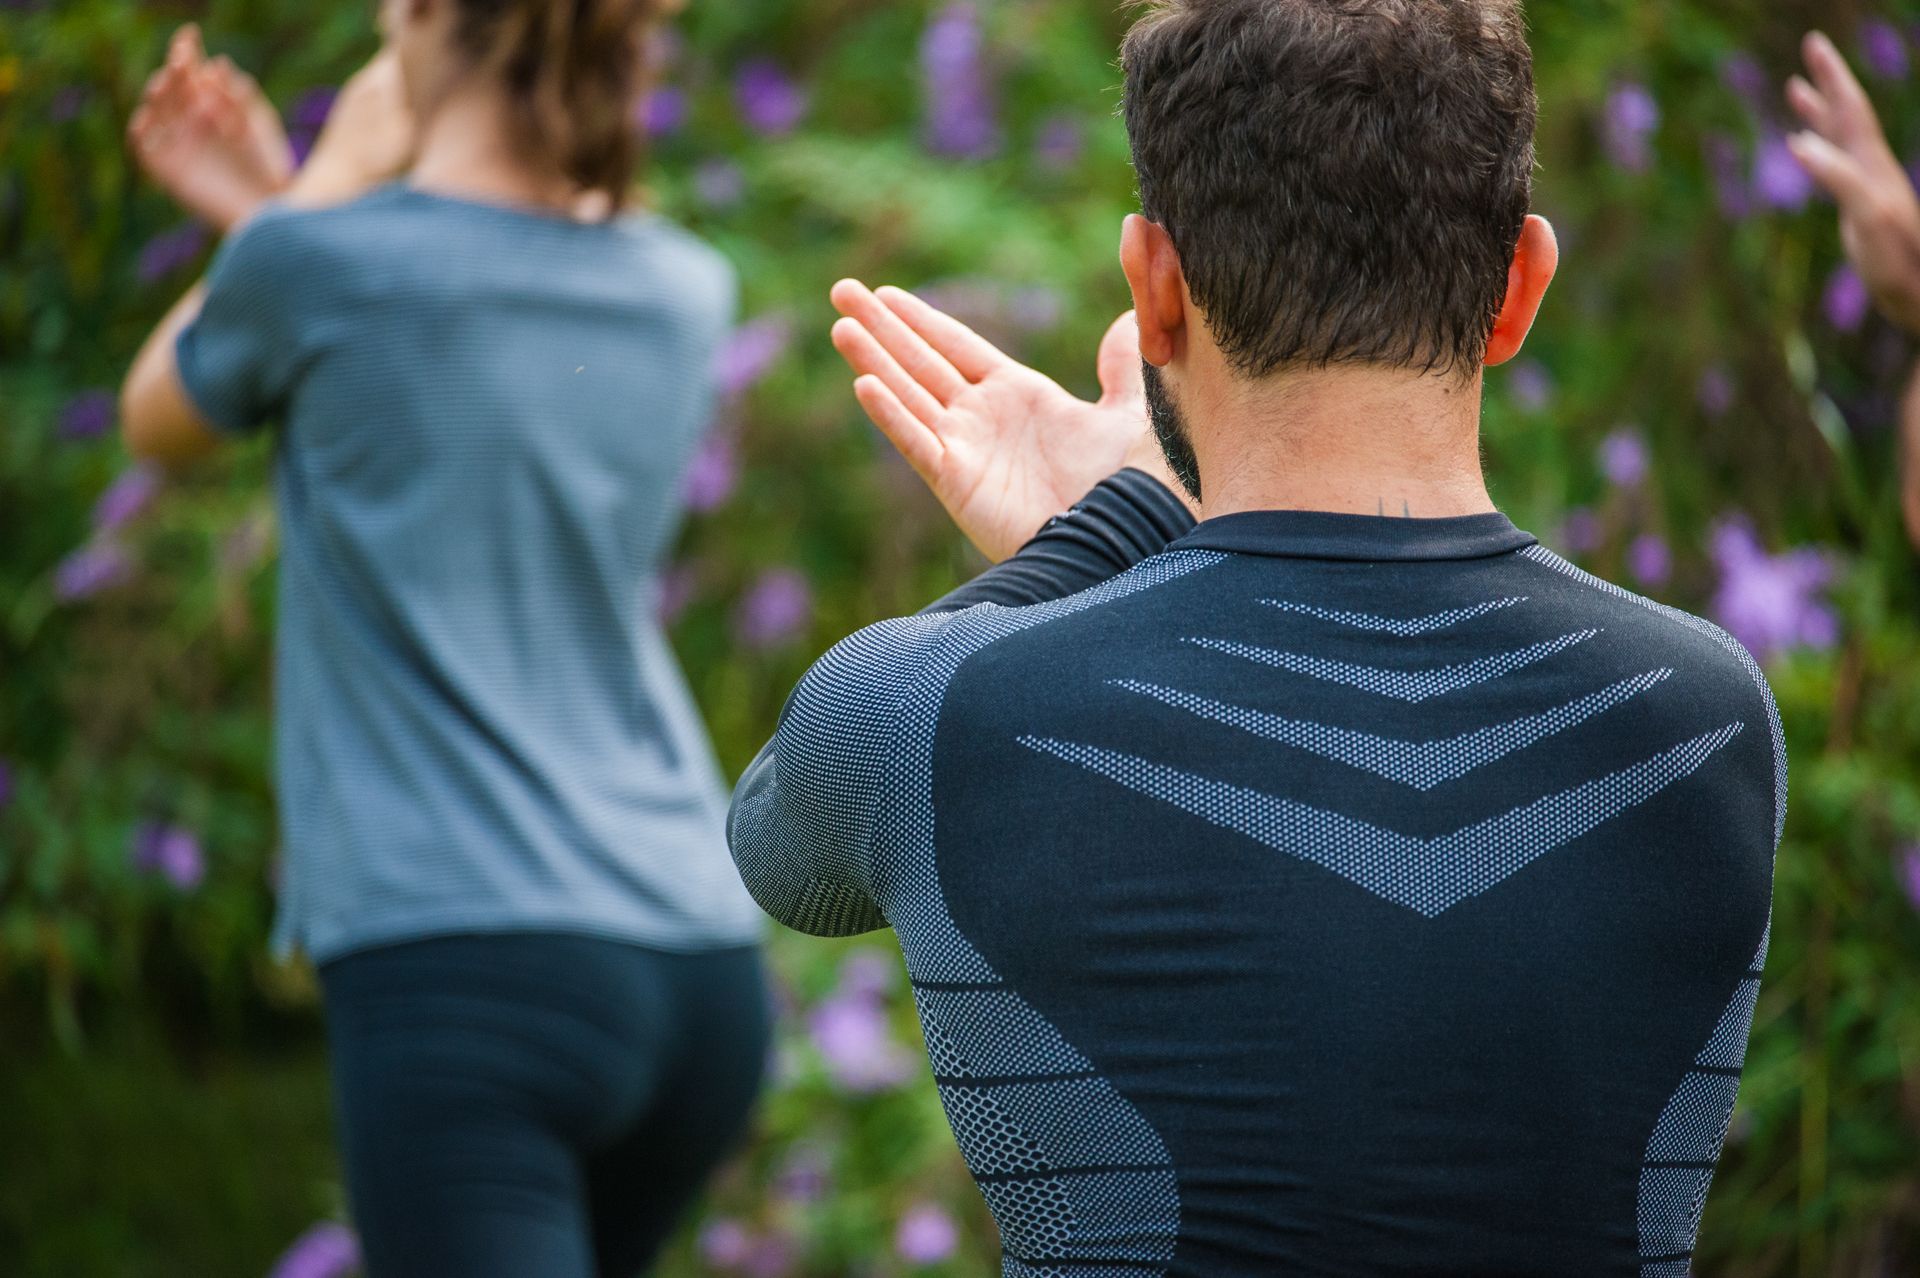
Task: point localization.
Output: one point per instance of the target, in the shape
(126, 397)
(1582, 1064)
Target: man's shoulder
(1630, 618)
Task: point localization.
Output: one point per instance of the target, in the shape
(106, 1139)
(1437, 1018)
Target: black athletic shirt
(1300, 893)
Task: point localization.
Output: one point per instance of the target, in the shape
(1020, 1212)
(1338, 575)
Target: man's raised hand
(1846, 151)
(1003, 447)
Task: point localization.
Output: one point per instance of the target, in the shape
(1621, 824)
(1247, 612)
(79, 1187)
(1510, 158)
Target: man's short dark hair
(1345, 180)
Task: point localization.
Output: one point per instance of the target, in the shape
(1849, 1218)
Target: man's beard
(1170, 429)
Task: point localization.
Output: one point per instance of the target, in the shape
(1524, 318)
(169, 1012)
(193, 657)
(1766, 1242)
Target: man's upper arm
(804, 815)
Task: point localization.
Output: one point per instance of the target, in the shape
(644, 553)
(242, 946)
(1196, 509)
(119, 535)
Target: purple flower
(91, 569)
(773, 1256)
(324, 1251)
(753, 349)
(997, 310)
(1716, 390)
(1778, 179)
(1650, 560)
(1846, 300)
(805, 1175)
(1749, 81)
(6, 784)
(1060, 142)
(719, 184)
(960, 105)
(306, 118)
(1732, 178)
(926, 1236)
(775, 610)
(867, 973)
(1771, 603)
(853, 1038)
(664, 111)
(1624, 458)
(1530, 385)
(88, 415)
(1627, 126)
(711, 477)
(1910, 874)
(770, 103)
(67, 104)
(311, 109)
(675, 589)
(129, 494)
(171, 251)
(725, 1243)
(1580, 531)
(175, 854)
(1883, 49)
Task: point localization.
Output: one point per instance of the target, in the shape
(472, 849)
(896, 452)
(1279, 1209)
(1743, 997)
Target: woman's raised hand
(369, 136)
(206, 133)
(1846, 151)
(1003, 447)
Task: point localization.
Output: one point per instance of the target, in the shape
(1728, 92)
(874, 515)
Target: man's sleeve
(803, 818)
(1126, 518)
(240, 356)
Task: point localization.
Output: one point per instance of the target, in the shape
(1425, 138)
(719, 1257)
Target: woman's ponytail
(573, 70)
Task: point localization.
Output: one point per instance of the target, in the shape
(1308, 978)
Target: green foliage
(147, 703)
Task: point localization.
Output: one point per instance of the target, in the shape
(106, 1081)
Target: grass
(139, 1160)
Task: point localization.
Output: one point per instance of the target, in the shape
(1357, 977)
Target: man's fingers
(965, 349)
(921, 362)
(1118, 364)
(870, 359)
(920, 446)
(1834, 169)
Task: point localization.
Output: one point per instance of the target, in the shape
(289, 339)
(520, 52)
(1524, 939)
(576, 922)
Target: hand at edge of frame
(1003, 447)
(207, 135)
(1846, 152)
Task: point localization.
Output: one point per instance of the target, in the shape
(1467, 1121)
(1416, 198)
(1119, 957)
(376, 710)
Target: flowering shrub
(971, 150)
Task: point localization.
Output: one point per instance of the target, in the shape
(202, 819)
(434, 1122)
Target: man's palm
(1003, 447)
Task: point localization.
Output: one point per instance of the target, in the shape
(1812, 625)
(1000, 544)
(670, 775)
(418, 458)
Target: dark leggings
(536, 1104)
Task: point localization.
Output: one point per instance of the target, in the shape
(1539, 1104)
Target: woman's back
(486, 415)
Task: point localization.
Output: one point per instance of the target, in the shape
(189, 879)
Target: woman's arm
(367, 140)
(158, 422)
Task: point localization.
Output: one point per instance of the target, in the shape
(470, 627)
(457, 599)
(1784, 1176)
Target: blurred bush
(1706, 412)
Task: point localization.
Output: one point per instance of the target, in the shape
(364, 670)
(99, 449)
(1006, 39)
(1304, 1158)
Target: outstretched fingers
(869, 358)
(916, 442)
(924, 365)
(973, 355)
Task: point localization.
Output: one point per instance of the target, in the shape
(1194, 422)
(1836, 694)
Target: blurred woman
(503, 826)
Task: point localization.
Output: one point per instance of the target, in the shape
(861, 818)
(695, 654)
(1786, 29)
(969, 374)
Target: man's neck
(1350, 440)
(465, 152)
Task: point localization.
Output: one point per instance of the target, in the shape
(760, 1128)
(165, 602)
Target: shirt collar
(1314, 534)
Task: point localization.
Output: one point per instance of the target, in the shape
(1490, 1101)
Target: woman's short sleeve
(239, 357)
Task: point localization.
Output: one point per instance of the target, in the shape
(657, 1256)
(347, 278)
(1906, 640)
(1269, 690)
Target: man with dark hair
(1344, 884)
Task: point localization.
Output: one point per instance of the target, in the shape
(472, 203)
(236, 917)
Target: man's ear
(1535, 259)
(1152, 267)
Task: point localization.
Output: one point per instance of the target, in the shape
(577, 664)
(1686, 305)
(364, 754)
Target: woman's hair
(574, 70)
